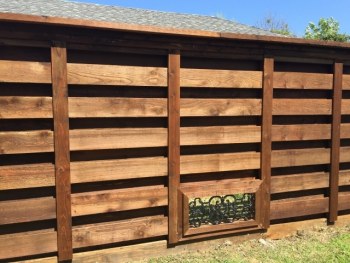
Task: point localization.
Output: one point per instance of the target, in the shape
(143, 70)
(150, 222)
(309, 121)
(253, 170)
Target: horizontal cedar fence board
(346, 82)
(27, 210)
(25, 107)
(344, 154)
(301, 132)
(82, 107)
(26, 176)
(298, 182)
(295, 207)
(345, 130)
(301, 107)
(301, 80)
(25, 72)
(212, 78)
(90, 74)
(344, 201)
(345, 106)
(299, 157)
(95, 171)
(220, 107)
(219, 162)
(219, 135)
(126, 230)
(93, 139)
(26, 142)
(231, 187)
(118, 200)
(27, 244)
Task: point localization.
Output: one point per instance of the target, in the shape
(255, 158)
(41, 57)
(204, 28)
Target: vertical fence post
(266, 140)
(175, 212)
(335, 148)
(62, 155)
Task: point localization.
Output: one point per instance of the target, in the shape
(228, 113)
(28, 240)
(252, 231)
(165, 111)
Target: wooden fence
(102, 149)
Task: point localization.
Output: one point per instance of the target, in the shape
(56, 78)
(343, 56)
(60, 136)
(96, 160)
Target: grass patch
(319, 245)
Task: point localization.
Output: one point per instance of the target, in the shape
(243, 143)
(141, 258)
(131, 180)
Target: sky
(296, 13)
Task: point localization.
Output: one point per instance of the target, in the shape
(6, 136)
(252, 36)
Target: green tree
(275, 25)
(326, 29)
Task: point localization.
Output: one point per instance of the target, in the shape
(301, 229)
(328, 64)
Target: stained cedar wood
(119, 138)
(119, 200)
(125, 230)
(301, 207)
(173, 147)
(161, 30)
(335, 148)
(106, 170)
(62, 154)
(29, 243)
(302, 80)
(27, 210)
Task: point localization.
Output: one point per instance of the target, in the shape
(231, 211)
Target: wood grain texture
(302, 107)
(108, 170)
(25, 107)
(27, 210)
(119, 231)
(302, 132)
(118, 138)
(92, 74)
(301, 207)
(26, 142)
(345, 130)
(119, 200)
(220, 107)
(344, 201)
(266, 141)
(62, 152)
(206, 163)
(174, 208)
(26, 176)
(345, 109)
(28, 243)
(207, 135)
(344, 154)
(335, 147)
(299, 157)
(346, 82)
(210, 78)
(25, 72)
(81, 107)
(302, 80)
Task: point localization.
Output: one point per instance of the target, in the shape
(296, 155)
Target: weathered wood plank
(92, 74)
(26, 244)
(25, 107)
(210, 78)
(302, 132)
(219, 162)
(25, 72)
(298, 157)
(344, 154)
(27, 210)
(81, 107)
(335, 147)
(220, 107)
(125, 230)
(301, 207)
(108, 170)
(174, 208)
(266, 142)
(344, 201)
(93, 139)
(26, 176)
(302, 107)
(119, 200)
(302, 80)
(220, 135)
(26, 142)
(62, 152)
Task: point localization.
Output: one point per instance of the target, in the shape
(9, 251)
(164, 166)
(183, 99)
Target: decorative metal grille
(221, 209)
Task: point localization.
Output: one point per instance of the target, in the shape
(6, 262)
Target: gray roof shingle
(78, 10)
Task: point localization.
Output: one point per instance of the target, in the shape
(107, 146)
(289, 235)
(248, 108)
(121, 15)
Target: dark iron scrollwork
(221, 209)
